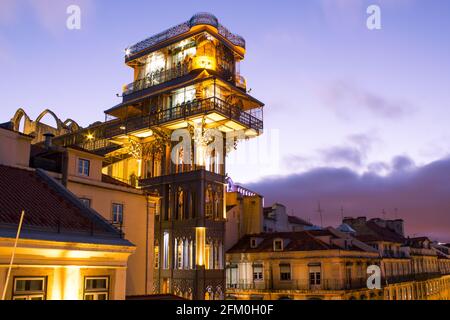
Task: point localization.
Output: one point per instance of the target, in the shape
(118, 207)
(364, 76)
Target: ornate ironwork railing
(119, 127)
(305, 285)
(157, 77)
(197, 19)
(180, 70)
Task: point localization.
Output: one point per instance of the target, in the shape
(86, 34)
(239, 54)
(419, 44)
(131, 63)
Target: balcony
(181, 112)
(157, 77)
(301, 285)
(410, 277)
(182, 69)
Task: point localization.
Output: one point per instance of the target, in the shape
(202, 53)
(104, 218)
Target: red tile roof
(49, 207)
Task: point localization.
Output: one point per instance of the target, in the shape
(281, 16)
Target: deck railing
(119, 127)
(157, 77)
(296, 284)
(164, 75)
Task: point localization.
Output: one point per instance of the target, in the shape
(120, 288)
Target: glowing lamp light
(143, 134)
(127, 52)
(204, 62)
(200, 239)
(90, 136)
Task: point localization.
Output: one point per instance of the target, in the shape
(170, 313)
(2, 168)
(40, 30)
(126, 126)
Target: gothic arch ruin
(37, 129)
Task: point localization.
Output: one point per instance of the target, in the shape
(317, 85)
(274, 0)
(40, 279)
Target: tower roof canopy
(198, 19)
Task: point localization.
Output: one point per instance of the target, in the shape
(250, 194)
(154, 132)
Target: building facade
(411, 267)
(186, 108)
(276, 219)
(304, 265)
(65, 251)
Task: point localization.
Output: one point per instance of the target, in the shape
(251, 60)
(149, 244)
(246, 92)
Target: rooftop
(202, 18)
(51, 211)
(311, 240)
(297, 220)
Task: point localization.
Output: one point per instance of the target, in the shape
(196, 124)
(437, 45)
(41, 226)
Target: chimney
(48, 139)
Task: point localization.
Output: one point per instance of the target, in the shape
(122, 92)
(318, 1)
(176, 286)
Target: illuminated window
(156, 255)
(257, 272)
(232, 276)
(29, 288)
(285, 271)
(83, 167)
(86, 202)
(96, 288)
(117, 213)
(179, 253)
(208, 256)
(314, 276)
(166, 250)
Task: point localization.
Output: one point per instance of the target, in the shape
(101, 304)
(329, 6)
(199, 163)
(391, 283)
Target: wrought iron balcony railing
(157, 77)
(119, 127)
(304, 285)
(182, 69)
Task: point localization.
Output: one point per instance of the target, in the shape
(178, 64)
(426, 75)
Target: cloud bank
(419, 195)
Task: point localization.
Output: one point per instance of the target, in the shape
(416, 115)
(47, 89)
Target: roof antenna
(319, 210)
(342, 213)
(384, 214)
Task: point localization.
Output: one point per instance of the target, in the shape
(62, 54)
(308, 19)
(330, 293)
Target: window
(314, 275)
(117, 213)
(178, 254)
(83, 167)
(257, 272)
(156, 255)
(86, 202)
(32, 288)
(285, 272)
(166, 250)
(232, 276)
(96, 288)
(278, 245)
(253, 243)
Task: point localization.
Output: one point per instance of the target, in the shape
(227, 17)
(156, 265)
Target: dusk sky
(353, 117)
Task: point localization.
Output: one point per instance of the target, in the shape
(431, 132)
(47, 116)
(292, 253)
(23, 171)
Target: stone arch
(20, 113)
(71, 125)
(47, 111)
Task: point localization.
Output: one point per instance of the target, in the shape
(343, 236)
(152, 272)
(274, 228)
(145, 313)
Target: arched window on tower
(180, 205)
(209, 203)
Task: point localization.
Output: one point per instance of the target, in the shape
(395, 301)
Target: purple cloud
(343, 96)
(421, 194)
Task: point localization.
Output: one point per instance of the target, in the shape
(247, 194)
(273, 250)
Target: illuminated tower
(170, 135)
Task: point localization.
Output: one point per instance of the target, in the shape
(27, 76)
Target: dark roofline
(9, 126)
(75, 201)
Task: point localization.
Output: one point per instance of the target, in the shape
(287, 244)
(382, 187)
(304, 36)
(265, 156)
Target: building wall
(278, 221)
(138, 216)
(138, 226)
(244, 218)
(65, 266)
(331, 263)
(14, 148)
(95, 170)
